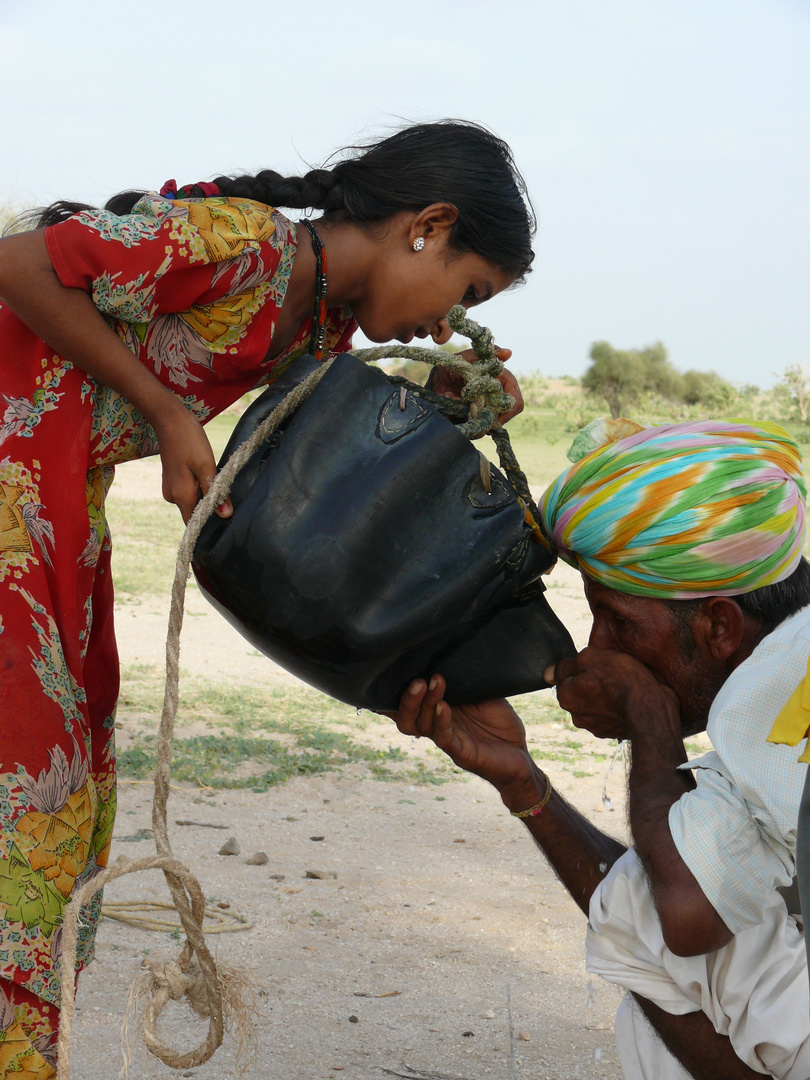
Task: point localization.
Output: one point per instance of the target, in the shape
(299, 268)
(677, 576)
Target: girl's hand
(449, 383)
(189, 466)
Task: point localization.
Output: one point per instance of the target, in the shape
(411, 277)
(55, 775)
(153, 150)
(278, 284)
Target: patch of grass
(232, 761)
(241, 709)
(146, 531)
(260, 739)
(146, 534)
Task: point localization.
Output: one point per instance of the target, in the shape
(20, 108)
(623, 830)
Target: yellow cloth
(793, 722)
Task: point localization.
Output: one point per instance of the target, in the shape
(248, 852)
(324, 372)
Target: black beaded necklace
(319, 312)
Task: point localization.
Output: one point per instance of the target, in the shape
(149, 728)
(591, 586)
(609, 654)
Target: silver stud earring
(419, 243)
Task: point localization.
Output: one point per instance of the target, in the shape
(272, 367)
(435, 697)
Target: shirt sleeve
(169, 257)
(736, 862)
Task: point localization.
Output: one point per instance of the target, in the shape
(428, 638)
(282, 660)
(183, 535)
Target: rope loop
(194, 974)
(483, 399)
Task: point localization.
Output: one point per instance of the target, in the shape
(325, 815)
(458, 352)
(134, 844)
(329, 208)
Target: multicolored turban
(683, 510)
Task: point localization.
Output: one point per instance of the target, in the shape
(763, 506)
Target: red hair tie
(170, 190)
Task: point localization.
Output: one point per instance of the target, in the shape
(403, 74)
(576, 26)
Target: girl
(122, 332)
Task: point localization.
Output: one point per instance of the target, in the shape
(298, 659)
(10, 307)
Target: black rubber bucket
(364, 550)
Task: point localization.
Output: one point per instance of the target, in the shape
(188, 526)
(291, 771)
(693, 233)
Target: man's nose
(599, 637)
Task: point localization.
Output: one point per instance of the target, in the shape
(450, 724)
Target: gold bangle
(533, 811)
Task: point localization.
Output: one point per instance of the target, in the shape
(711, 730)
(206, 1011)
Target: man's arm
(490, 741)
(614, 696)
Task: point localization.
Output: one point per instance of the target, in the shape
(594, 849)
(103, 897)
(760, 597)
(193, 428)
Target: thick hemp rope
(483, 398)
(222, 996)
(219, 998)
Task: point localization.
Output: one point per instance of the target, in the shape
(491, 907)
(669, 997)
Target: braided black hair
(449, 161)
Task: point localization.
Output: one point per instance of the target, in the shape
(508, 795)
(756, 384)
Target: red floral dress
(194, 290)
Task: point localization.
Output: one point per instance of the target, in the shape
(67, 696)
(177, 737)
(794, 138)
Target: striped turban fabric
(683, 510)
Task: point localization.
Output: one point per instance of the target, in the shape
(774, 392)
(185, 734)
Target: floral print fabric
(194, 290)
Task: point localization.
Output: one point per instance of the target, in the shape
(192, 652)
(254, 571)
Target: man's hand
(487, 739)
(449, 383)
(490, 741)
(606, 692)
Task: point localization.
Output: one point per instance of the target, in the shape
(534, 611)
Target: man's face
(645, 629)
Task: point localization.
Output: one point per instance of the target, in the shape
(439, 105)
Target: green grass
(250, 738)
(260, 738)
(218, 760)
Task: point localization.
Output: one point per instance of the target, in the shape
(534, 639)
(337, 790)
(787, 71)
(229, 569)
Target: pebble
(230, 847)
(467, 1034)
(488, 1015)
(277, 877)
(320, 875)
(259, 859)
(317, 838)
(524, 1036)
(354, 1019)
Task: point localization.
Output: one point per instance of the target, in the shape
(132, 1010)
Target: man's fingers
(407, 715)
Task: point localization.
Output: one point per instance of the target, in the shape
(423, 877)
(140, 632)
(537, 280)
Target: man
(689, 538)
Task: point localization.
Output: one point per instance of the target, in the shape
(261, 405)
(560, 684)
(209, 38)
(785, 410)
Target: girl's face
(408, 293)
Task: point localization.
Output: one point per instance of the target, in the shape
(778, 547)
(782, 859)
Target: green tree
(621, 376)
(708, 389)
(793, 388)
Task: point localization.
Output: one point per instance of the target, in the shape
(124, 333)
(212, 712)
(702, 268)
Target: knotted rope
(193, 975)
(483, 399)
(223, 997)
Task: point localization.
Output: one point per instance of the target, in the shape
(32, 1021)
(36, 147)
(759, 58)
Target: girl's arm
(67, 320)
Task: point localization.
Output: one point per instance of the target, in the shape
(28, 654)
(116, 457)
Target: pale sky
(666, 144)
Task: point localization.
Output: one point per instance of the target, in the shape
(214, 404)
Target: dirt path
(437, 943)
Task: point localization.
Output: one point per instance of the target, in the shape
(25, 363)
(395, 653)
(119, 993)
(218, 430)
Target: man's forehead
(595, 593)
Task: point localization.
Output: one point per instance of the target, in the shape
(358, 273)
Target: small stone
(230, 847)
(223, 904)
(524, 1036)
(354, 1019)
(259, 859)
(467, 1034)
(291, 889)
(316, 838)
(277, 877)
(320, 875)
(459, 840)
(488, 1015)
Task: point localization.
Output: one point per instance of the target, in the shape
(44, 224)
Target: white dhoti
(755, 990)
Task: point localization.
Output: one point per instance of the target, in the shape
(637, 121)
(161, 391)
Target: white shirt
(737, 830)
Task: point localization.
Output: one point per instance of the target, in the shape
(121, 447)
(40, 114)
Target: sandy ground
(438, 944)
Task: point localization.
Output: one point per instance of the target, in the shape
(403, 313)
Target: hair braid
(319, 188)
(449, 161)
